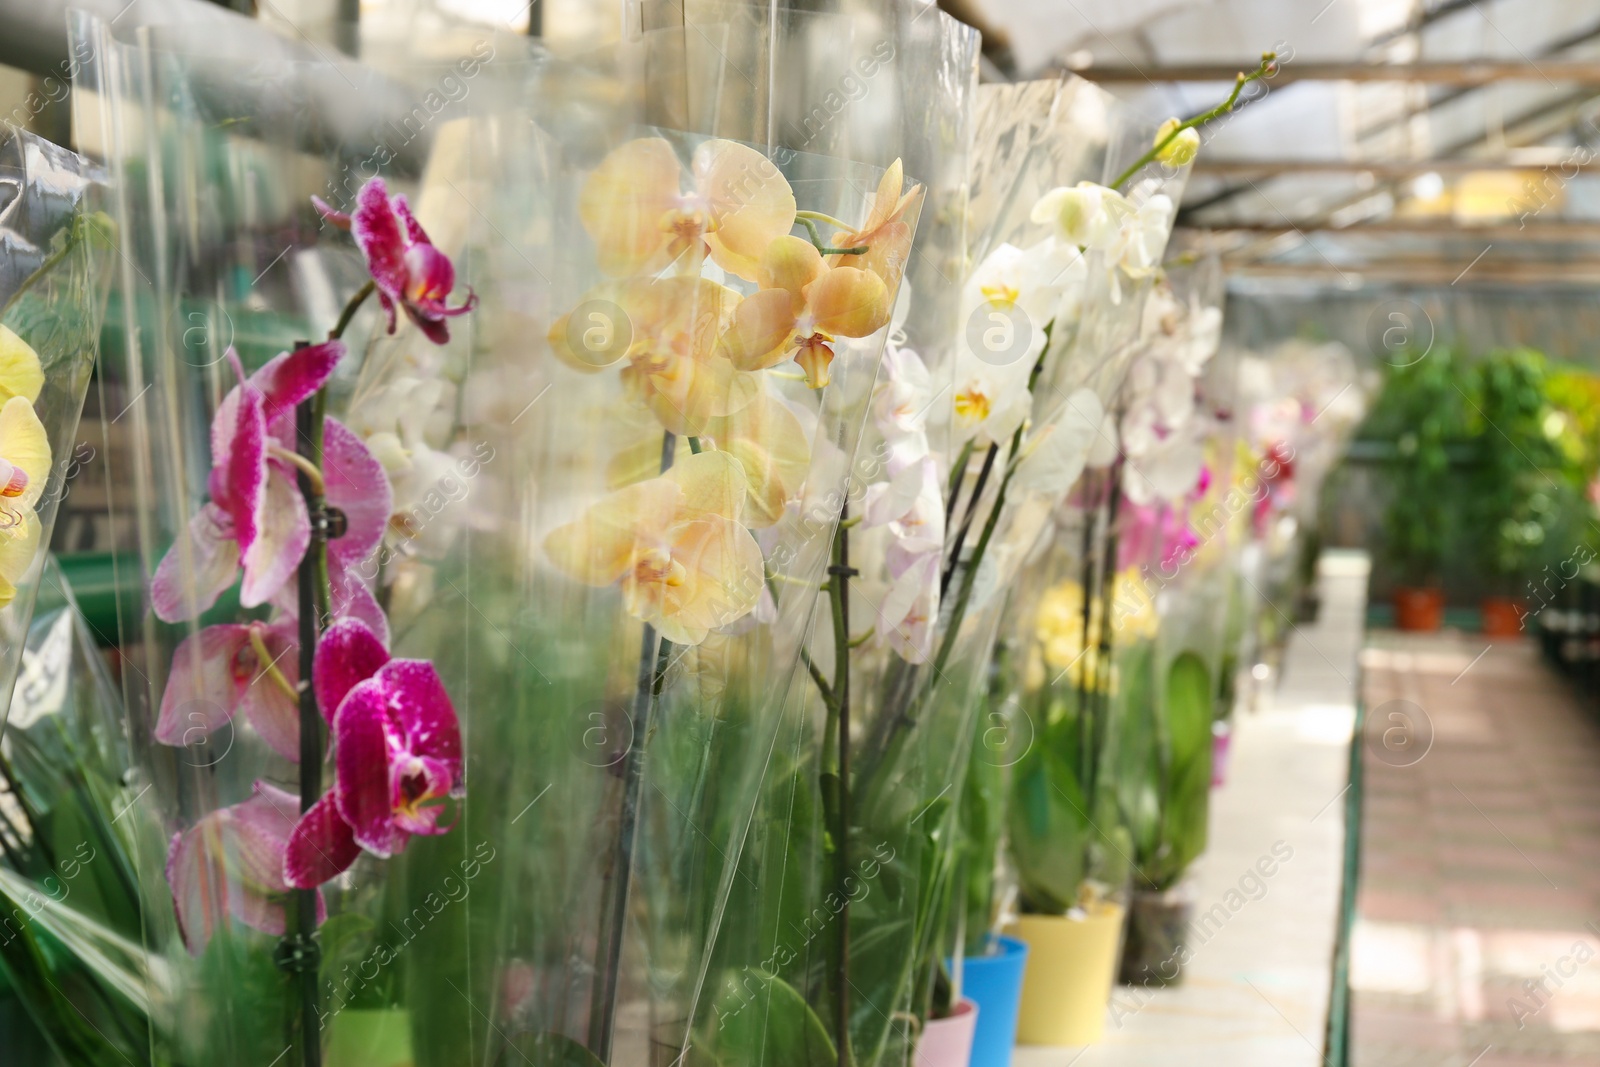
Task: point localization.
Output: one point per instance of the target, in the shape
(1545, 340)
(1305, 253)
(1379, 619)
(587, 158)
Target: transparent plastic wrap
(854, 849)
(1041, 743)
(1182, 547)
(56, 248)
(890, 83)
(219, 134)
(788, 430)
(69, 905)
(610, 439)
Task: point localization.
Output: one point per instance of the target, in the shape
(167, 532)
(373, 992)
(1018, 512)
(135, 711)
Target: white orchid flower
(1085, 216)
(911, 505)
(904, 397)
(1058, 452)
(1008, 305)
(907, 614)
(1166, 471)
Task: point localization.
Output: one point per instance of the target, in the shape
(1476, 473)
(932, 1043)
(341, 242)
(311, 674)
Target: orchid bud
(1181, 149)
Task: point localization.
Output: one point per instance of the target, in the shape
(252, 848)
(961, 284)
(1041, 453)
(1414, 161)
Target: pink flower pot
(1221, 741)
(947, 1042)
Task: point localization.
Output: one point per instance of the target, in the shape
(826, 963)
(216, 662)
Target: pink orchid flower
(1156, 532)
(397, 757)
(256, 519)
(253, 668)
(230, 864)
(224, 670)
(408, 270)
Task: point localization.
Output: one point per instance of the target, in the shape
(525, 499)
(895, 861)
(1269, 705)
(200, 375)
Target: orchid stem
(298, 953)
(966, 520)
(45, 267)
(1268, 67)
(824, 249)
(807, 217)
(653, 654)
(350, 310)
(958, 474)
(823, 687)
(1087, 675)
(801, 582)
(839, 722)
(1103, 668)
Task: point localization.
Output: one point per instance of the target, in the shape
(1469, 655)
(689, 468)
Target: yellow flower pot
(1066, 984)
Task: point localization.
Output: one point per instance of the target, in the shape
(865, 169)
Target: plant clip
(298, 954)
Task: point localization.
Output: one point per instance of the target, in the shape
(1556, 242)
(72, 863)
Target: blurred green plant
(1165, 776)
(1422, 412)
(1522, 479)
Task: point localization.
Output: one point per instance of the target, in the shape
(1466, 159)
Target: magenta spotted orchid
(408, 270)
(397, 755)
(230, 865)
(396, 740)
(256, 519)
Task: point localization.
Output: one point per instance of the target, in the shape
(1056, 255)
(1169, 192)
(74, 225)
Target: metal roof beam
(1471, 73)
(1560, 159)
(1534, 233)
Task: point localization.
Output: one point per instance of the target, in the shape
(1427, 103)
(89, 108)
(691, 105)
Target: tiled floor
(1478, 932)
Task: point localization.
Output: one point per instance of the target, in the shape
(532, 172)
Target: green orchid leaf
(1188, 708)
(547, 1050)
(762, 1019)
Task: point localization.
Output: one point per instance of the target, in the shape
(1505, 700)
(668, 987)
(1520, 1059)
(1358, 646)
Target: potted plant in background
(1166, 781)
(1066, 836)
(1421, 412)
(1522, 482)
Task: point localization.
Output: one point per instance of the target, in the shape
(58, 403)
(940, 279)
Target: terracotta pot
(947, 1042)
(1502, 616)
(1419, 610)
(1066, 984)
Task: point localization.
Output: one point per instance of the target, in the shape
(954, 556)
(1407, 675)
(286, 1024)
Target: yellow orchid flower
(887, 231)
(24, 460)
(1058, 623)
(802, 306)
(676, 545)
(666, 332)
(1058, 627)
(772, 449)
(24, 467)
(633, 207)
(20, 372)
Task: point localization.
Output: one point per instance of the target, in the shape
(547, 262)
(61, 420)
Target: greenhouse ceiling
(1401, 140)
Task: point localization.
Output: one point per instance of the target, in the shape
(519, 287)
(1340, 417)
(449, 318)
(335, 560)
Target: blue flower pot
(994, 982)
